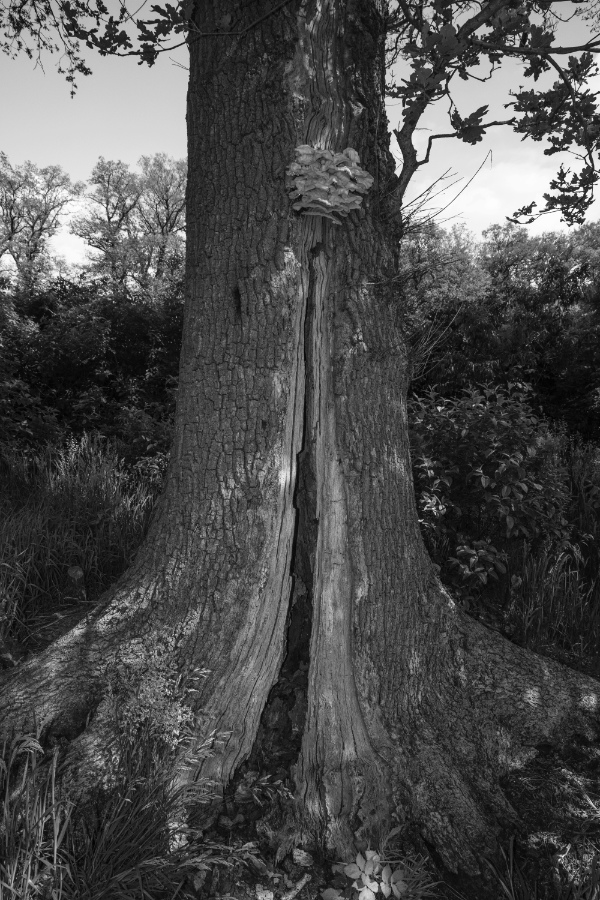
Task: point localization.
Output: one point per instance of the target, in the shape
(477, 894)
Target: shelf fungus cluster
(328, 184)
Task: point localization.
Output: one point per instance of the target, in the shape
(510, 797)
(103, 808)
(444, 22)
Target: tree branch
(505, 49)
(456, 134)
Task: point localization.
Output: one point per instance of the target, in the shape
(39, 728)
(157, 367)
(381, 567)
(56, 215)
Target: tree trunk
(291, 461)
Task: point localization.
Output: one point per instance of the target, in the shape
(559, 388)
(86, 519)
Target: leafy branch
(440, 40)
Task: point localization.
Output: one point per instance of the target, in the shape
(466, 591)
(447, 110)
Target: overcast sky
(124, 111)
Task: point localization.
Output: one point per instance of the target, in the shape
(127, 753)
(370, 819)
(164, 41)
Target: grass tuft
(127, 842)
(555, 602)
(72, 507)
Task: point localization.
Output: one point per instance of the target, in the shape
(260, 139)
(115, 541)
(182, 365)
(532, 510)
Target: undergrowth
(513, 885)
(127, 841)
(517, 528)
(553, 601)
(73, 506)
(509, 508)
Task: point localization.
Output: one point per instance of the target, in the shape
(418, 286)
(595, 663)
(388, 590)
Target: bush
(509, 507)
(513, 308)
(488, 473)
(24, 419)
(85, 356)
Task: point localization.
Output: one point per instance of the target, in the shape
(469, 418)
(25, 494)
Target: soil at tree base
(560, 827)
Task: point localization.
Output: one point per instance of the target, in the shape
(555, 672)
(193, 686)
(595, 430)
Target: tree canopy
(134, 221)
(32, 200)
(431, 43)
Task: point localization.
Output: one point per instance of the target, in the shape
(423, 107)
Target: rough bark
(414, 710)
(211, 585)
(291, 460)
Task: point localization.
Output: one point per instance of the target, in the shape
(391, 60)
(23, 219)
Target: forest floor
(554, 856)
(556, 795)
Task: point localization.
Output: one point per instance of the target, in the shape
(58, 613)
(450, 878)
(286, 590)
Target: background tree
(108, 226)
(161, 213)
(32, 200)
(135, 221)
(513, 308)
(290, 475)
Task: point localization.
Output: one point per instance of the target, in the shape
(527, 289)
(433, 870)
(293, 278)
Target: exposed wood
(291, 460)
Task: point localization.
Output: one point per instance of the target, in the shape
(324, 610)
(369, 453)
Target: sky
(121, 111)
(124, 111)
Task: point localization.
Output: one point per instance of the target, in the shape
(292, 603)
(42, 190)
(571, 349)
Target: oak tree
(289, 488)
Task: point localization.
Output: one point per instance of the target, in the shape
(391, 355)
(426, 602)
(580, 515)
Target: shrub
(510, 511)
(82, 356)
(488, 472)
(398, 877)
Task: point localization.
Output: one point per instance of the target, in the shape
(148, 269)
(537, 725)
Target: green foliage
(513, 885)
(100, 351)
(147, 691)
(32, 200)
(132, 836)
(126, 840)
(24, 419)
(33, 823)
(134, 222)
(554, 600)
(23, 416)
(510, 512)
(436, 42)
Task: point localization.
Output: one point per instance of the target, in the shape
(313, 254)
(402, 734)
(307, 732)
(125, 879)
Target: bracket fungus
(328, 184)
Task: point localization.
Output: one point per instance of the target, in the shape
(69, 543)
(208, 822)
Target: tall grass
(583, 464)
(75, 506)
(513, 886)
(127, 842)
(554, 594)
(33, 823)
(553, 601)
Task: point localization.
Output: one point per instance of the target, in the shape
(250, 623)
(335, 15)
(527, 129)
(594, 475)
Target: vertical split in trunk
(335, 76)
(336, 751)
(292, 415)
